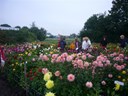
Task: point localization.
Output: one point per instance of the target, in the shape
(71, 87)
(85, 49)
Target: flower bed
(52, 73)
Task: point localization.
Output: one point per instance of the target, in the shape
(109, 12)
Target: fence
(28, 90)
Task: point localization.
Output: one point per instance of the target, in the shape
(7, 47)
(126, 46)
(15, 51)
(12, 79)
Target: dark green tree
(18, 27)
(39, 33)
(95, 27)
(5, 25)
(42, 34)
(119, 17)
(112, 25)
(24, 34)
(73, 35)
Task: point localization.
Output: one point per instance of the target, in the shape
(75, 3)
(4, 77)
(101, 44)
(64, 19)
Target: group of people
(75, 45)
(78, 46)
(122, 43)
(86, 45)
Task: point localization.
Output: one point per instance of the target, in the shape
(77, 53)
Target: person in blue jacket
(62, 44)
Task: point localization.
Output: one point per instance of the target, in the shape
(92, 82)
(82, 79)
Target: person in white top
(86, 44)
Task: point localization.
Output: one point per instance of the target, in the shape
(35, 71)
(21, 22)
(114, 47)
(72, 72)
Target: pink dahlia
(71, 77)
(57, 73)
(89, 84)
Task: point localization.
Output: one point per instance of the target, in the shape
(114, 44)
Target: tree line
(111, 25)
(22, 35)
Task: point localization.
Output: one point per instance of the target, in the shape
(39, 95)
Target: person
(123, 41)
(77, 45)
(86, 44)
(2, 58)
(62, 44)
(72, 46)
(58, 45)
(103, 43)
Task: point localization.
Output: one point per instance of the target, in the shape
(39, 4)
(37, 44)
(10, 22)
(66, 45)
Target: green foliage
(22, 35)
(119, 16)
(5, 25)
(72, 35)
(94, 28)
(112, 25)
(62, 87)
(39, 33)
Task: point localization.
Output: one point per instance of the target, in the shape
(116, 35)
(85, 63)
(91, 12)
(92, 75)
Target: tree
(33, 24)
(25, 28)
(22, 35)
(95, 27)
(119, 17)
(112, 25)
(18, 27)
(5, 25)
(26, 35)
(39, 33)
(42, 34)
(73, 35)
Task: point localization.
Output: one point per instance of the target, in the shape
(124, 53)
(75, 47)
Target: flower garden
(41, 69)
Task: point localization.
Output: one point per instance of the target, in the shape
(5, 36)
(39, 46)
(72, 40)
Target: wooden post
(26, 87)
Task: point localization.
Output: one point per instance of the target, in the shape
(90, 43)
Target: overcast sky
(56, 16)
